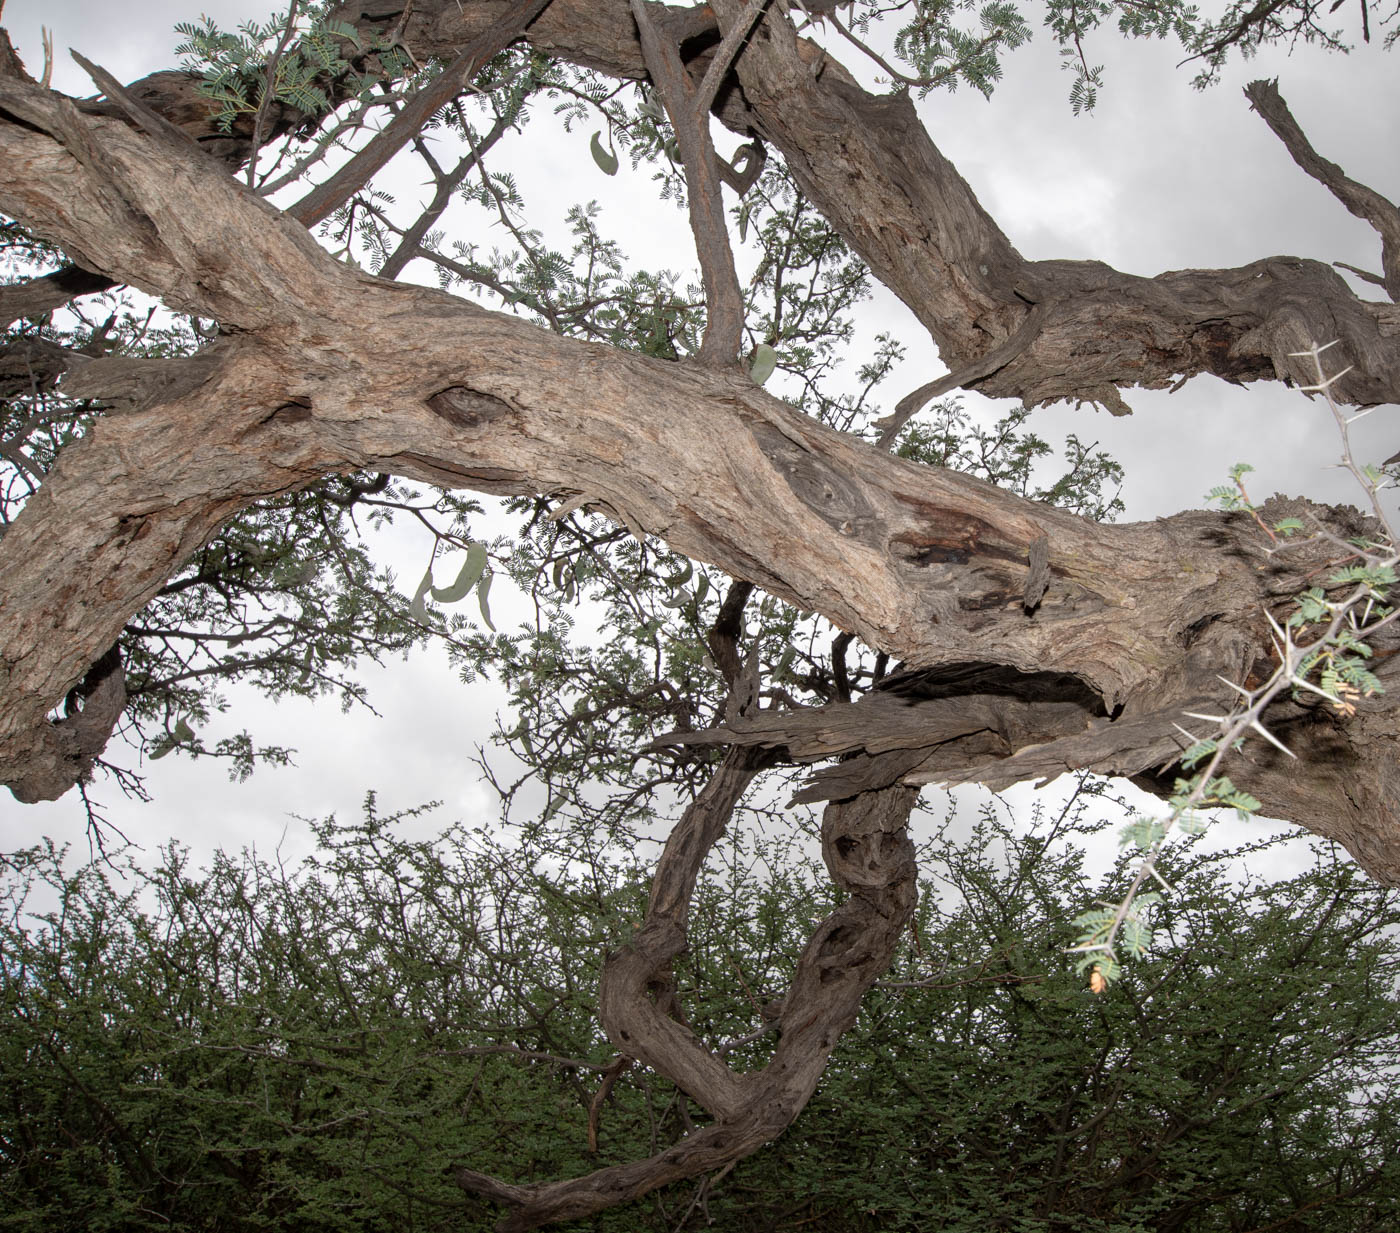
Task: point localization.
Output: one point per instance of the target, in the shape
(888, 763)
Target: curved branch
(1363, 202)
(869, 165)
(332, 371)
(870, 857)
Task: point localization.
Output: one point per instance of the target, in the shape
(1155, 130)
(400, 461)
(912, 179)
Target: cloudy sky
(1159, 177)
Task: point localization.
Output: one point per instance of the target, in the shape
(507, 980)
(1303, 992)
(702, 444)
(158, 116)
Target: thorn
(47, 35)
(1239, 689)
(1317, 689)
(1167, 886)
(1271, 738)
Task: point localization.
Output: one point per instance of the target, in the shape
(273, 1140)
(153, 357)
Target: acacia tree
(1032, 639)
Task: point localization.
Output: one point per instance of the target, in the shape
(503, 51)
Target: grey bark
(332, 371)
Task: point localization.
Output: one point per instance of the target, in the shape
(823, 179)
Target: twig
(269, 91)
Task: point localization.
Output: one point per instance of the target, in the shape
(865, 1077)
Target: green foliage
(1333, 621)
(939, 53)
(289, 59)
(254, 1046)
(286, 597)
(1007, 455)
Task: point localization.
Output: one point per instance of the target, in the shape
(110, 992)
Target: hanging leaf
(417, 608)
(482, 590)
(472, 569)
(765, 360)
(606, 160)
(680, 579)
(181, 734)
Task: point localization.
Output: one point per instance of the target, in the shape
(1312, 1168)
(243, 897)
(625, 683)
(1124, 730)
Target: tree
(1030, 638)
(250, 1045)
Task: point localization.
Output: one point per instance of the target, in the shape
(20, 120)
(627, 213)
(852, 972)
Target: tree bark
(870, 857)
(875, 173)
(328, 370)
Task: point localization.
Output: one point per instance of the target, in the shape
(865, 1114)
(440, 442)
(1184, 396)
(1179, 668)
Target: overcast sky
(1159, 177)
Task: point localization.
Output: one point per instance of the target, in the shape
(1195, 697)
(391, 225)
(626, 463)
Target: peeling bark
(329, 370)
(1032, 642)
(875, 173)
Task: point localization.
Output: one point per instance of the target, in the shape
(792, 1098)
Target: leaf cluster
(244, 70)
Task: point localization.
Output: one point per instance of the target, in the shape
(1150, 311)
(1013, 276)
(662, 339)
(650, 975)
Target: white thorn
(1271, 738)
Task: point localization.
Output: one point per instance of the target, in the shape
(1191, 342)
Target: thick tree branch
(325, 198)
(870, 857)
(38, 296)
(870, 167)
(331, 371)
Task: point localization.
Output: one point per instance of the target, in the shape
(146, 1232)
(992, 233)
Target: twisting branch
(724, 302)
(1364, 202)
(870, 857)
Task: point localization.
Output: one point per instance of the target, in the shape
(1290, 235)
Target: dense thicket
(252, 1046)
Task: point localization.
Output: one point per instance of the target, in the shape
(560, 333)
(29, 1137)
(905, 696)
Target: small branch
(595, 1106)
(1363, 202)
(1364, 275)
(335, 192)
(723, 636)
(725, 54)
(447, 185)
(724, 301)
(984, 366)
(270, 89)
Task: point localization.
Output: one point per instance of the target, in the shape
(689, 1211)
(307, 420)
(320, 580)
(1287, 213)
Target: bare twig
(984, 366)
(1362, 201)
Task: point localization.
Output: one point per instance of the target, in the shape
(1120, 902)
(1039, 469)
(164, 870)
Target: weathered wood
(930, 566)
